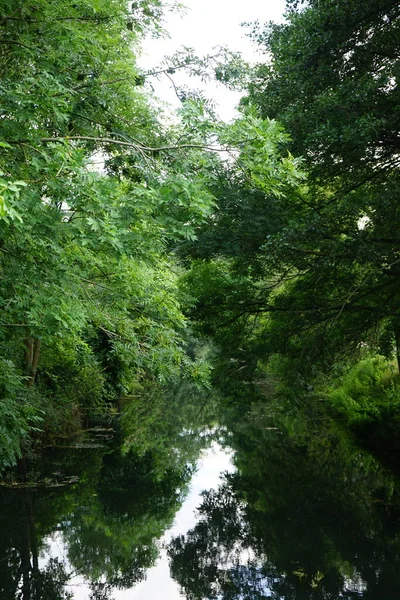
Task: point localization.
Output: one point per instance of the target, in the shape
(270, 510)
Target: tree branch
(88, 19)
(15, 43)
(106, 140)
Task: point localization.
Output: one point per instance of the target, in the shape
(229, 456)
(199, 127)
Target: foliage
(88, 290)
(331, 81)
(366, 401)
(18, 414)
(359, 392)
(300, 270)
(222, 64)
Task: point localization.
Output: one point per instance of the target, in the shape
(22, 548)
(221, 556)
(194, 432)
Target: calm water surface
(301, 515)
(158, 582)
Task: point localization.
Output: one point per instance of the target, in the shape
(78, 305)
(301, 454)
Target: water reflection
(107, 525)
(213, 463)
(305, 516)
(97, 538)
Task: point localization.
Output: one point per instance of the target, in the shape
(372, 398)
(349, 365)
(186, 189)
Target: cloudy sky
(205, 25)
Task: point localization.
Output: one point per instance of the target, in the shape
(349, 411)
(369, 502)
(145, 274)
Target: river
(291, 513)
(213, 462)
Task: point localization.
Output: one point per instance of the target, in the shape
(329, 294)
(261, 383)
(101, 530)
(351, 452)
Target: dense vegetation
(297, 286)
(163, 276)
(89, 303)
(144, 262)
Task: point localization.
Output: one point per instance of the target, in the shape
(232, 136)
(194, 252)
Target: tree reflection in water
(305, 516)
(108, 523)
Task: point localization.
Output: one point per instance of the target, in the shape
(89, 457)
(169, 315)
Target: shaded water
(304, 515)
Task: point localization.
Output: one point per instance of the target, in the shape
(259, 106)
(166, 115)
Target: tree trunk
(397, 338)
(28, 354)
(32, 353)
(35, 360)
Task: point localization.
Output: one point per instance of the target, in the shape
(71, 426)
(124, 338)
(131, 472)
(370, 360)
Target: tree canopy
(316, 264)
(89, 204)
(332, 80)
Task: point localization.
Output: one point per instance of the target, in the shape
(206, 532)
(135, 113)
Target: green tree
(309, 270)
(331, 79)
(88, 289)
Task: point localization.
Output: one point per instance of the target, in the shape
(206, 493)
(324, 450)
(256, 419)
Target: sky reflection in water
(303, 517)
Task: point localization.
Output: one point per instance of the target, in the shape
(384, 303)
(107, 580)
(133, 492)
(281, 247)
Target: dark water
(305, 514)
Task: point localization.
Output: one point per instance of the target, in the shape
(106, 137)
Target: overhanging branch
(105, 140)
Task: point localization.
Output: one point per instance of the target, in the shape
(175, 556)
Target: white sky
(206, 24)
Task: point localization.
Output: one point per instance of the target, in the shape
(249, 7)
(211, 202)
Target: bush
(18, 415)
(368, 392)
